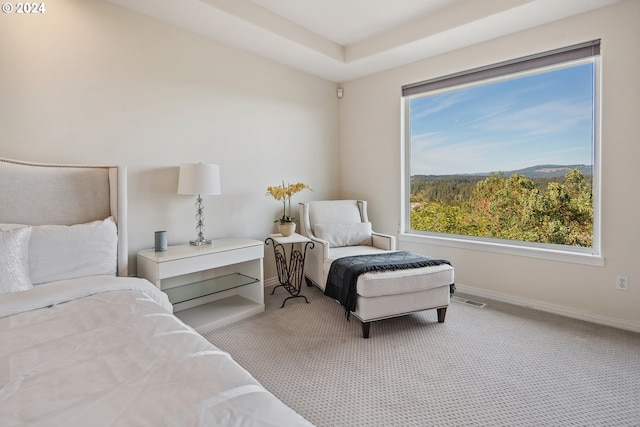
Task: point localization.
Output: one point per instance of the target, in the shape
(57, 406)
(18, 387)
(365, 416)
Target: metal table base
(290, 274)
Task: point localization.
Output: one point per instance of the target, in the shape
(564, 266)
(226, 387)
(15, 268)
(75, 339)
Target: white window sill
(503, 248)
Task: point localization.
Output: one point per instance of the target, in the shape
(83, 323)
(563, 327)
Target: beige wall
(89, 82)
(370, 137)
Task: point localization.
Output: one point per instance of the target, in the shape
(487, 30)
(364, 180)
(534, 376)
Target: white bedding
(61, 291)
(107, 351)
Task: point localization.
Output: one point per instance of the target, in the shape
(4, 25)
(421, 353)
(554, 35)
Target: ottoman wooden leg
(442, 312)
(365, 329)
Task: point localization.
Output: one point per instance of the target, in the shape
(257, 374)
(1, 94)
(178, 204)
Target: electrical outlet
(622, 283)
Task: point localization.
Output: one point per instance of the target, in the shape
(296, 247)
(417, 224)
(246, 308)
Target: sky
(543, 118)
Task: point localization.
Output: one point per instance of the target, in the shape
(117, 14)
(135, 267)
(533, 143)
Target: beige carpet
(500, 365)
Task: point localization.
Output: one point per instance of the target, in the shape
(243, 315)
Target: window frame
(582, 255)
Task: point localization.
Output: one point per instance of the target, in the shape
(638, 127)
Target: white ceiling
(345, 39)
(349, 21)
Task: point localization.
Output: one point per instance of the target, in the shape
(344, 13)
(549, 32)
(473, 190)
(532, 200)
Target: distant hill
(550, 171)
(539, 171)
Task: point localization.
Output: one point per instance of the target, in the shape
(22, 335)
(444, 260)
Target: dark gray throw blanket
(344, 272)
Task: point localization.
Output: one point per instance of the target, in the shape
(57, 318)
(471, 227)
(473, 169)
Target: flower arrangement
(283, 194)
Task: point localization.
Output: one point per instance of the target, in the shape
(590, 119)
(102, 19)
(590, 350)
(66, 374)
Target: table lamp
(199, 179)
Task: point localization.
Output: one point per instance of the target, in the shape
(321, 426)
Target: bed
(81, 343)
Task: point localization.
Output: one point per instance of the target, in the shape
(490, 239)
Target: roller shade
(557, 56)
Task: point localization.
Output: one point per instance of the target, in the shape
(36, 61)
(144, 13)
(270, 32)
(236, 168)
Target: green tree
(438, 218)
(568, 211)
(515, 208)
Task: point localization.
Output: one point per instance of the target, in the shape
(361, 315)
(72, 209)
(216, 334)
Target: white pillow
(58, 252)
(14, 256)
(339, 235)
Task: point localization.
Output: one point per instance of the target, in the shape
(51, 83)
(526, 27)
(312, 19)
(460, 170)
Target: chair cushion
(376, 284)
(340, 235)
(334, 212)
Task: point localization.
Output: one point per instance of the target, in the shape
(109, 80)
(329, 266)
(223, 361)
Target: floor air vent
(469, 301)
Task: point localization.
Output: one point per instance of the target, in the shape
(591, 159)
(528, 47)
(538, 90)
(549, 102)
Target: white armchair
(341, 228)
(338, 228)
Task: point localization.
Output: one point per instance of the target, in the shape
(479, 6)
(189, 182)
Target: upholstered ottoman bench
(340, 230)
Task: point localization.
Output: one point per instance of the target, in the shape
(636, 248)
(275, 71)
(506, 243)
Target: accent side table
(289, 274)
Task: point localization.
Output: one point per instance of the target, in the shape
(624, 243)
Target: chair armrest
(321, 244)
(383, 241)
(314, 262)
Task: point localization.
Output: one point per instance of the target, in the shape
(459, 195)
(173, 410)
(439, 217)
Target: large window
(507, 153)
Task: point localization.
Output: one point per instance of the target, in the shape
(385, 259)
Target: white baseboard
(600, 319)
(272, 281)
(561, 310)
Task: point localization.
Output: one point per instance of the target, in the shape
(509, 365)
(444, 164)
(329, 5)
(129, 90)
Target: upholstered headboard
(50, 194)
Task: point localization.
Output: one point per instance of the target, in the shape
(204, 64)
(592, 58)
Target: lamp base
(200, 242)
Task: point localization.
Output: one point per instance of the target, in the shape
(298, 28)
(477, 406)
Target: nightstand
(210, 285)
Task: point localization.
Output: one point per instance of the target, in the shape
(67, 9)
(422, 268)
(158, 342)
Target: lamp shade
(199, 178)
